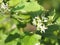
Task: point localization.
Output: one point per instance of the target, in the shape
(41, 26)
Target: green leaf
(51, 30)
(31, 40)
(22, 18)
(14, 42)
(2, 18)
(58, 21)
(1, 1)
(29, 7)
(13, 2)
(52, 16)
(2, 37)
(12, 39)
(32, 6)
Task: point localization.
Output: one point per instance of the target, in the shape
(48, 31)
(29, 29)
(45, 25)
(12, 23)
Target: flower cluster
(3, 6)
(39, 23)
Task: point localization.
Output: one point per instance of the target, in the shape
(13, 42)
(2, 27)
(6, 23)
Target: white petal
(42, 30)
(37, 17)
(45, 20)
(34, 22)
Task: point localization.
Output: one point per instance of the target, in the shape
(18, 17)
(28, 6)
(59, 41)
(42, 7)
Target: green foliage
(21, 19)
(13, 2)
(31, 40)
(0, 1)
(58, 21)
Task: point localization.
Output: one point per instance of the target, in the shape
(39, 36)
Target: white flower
(3, 6)
(38, 26)
(37, 18)
(45, 20)
(34, 22)
(43, 28)
(39, 23)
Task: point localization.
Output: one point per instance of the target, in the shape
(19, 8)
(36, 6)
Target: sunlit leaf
(13, 2)
(58, 21)
(32, 40)
(1, 1)
(29, 7)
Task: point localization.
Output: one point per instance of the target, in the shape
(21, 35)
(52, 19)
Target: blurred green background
(50, 37)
